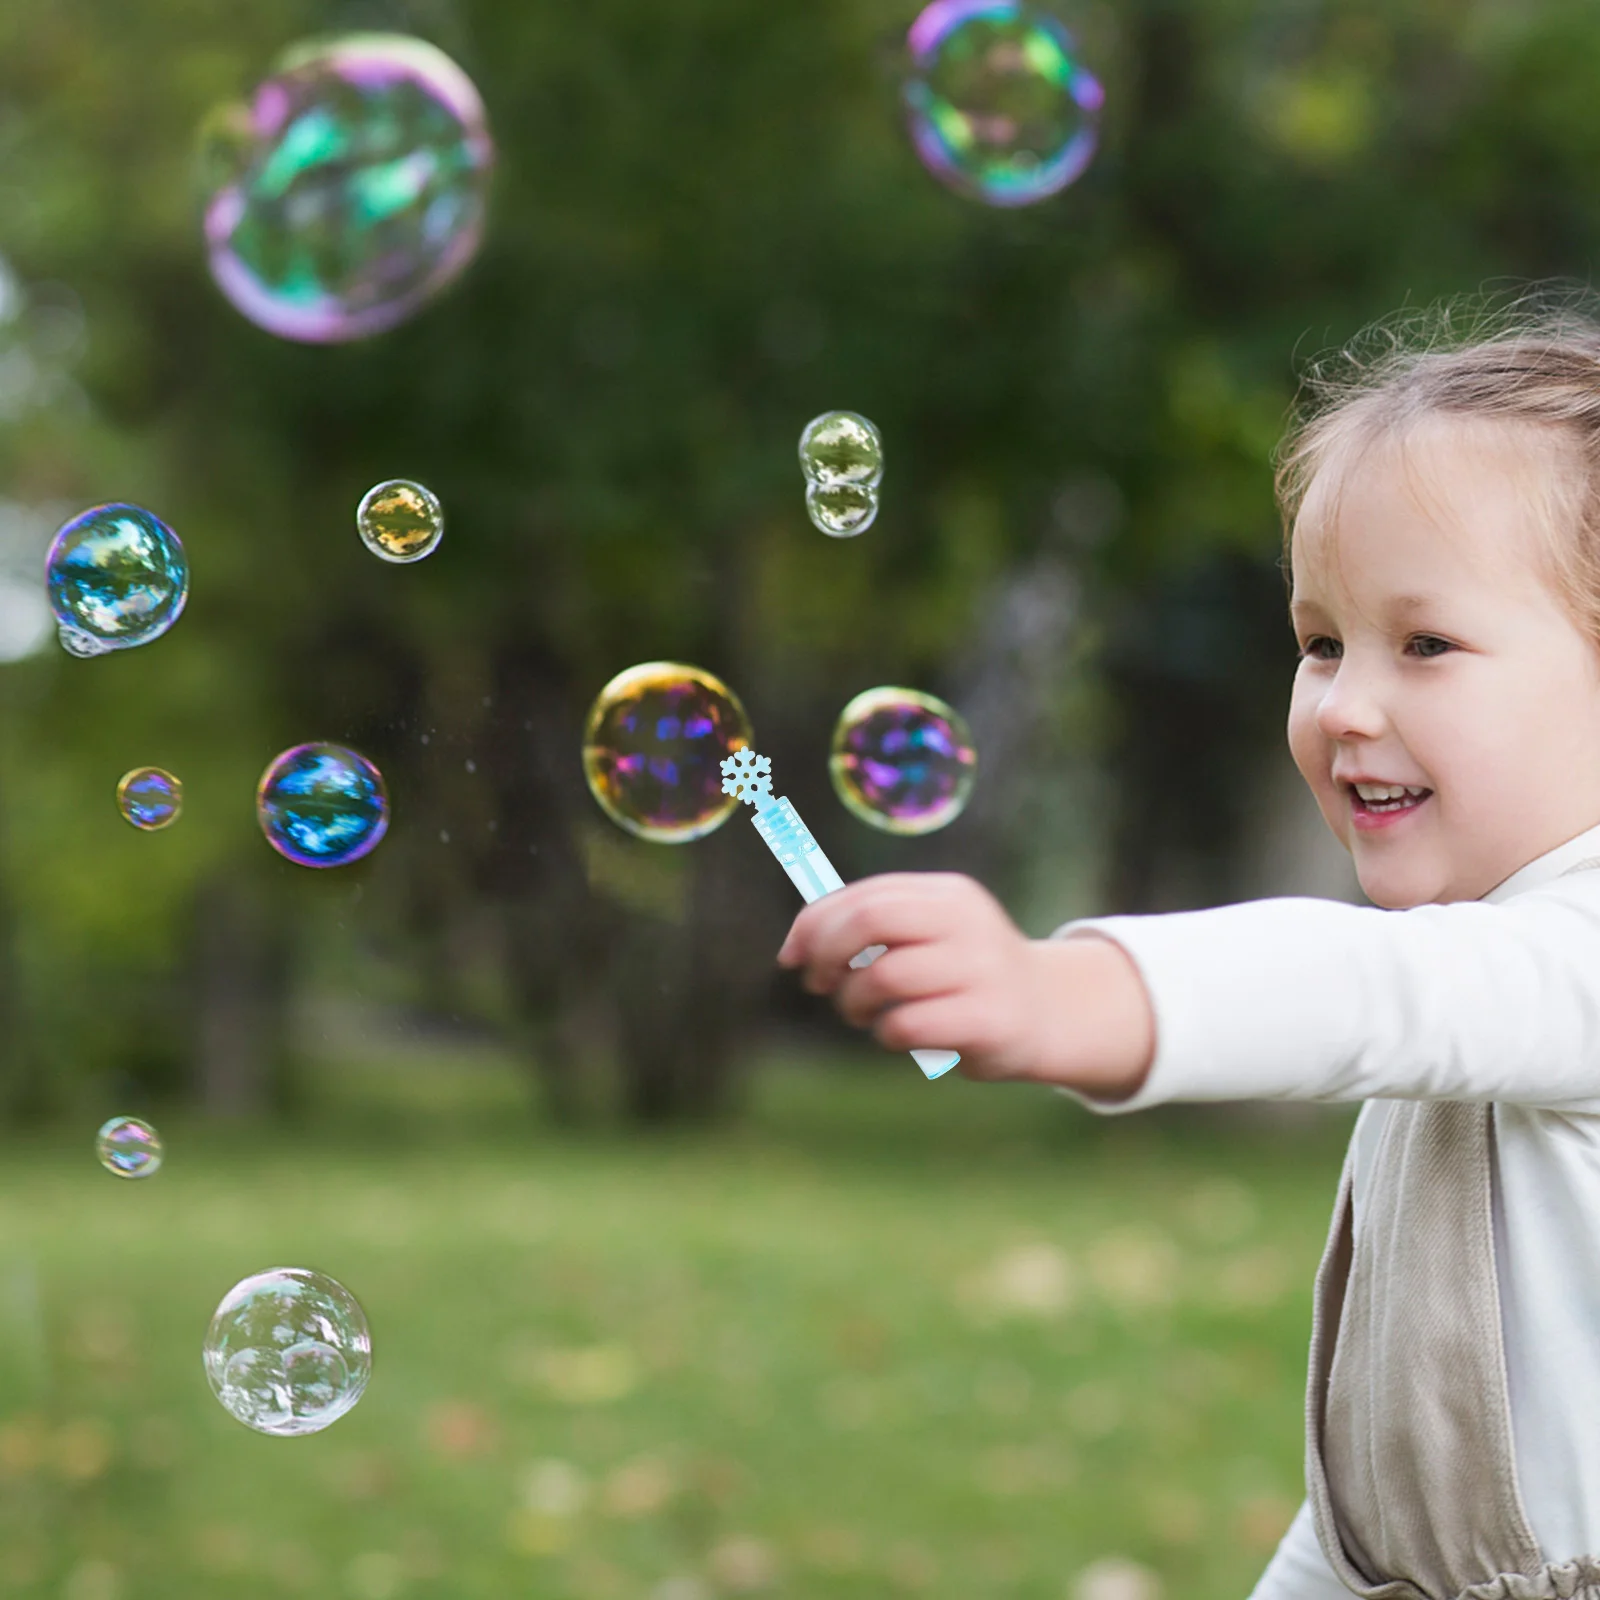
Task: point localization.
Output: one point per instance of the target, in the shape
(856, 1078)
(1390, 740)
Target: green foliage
(707, 225)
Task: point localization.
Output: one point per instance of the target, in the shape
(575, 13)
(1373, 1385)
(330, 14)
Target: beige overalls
(1410, 1470)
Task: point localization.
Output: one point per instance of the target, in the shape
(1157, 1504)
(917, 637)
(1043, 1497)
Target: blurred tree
(707, 226)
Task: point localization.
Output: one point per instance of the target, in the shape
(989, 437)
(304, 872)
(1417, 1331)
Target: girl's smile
(1369, 814)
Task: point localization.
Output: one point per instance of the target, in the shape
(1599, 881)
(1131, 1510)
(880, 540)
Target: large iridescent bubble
(653, 747)
(349, 189)
(321, 805)
(902, 760)
(117, 577)
(288, 1351)
(1000, 107)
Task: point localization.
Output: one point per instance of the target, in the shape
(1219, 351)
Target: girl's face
(1433, 654)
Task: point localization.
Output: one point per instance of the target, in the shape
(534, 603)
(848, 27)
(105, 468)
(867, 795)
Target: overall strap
(1410, 1467)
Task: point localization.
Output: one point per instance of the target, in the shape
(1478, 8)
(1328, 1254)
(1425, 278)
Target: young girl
(1442, 529)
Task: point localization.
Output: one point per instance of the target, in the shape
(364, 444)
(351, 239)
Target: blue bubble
(150, 798)
(117, 577)
(321, 805)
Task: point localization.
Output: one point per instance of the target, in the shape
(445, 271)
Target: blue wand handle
(809, 869)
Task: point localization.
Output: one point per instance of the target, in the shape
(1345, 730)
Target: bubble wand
(746, 776)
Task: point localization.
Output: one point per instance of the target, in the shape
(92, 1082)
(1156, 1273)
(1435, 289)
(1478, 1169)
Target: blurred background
(678, 1287)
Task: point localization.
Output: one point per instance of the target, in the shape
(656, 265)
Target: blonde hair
(1534, 360)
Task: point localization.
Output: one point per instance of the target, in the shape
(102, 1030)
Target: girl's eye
(1425, 645)
(1430, 639)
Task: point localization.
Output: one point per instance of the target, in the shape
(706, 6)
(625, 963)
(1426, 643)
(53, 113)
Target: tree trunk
(687, 998)
(241, 971)
(23, 1090)
(559, 934)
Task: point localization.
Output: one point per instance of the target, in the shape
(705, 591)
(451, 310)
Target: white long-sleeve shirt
(1493, 1000)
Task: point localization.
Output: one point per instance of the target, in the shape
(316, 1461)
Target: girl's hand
(958, 974)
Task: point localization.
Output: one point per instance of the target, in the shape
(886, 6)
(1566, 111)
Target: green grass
(882, 1338)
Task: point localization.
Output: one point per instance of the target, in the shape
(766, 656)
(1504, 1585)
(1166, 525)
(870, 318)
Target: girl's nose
(1351, 707)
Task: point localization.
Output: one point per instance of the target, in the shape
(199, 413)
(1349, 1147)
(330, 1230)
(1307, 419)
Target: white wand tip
(747, 776)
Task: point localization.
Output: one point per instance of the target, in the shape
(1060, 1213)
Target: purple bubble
(902, 760)
(653, 747)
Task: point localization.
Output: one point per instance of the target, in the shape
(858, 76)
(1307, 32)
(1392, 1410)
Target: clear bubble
(1000, 107)
(128, 1148)
(653, 747)
(841, 447)
(116, 577)
(150, 798)
(349, 190)
(400, 520)
(841, 510)
(288, 1351)
(321, 805)
(902, 760)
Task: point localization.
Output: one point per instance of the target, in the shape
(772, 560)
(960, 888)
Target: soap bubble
(841, 510)
(653, 747)
(150, 798)
(349, 190)
(841, 447)
(288, 1351)
(841, 455)
(128, 1148)
(1000, 107)
(400, 520)
(117, 577)
(321, 805)
(902, 760)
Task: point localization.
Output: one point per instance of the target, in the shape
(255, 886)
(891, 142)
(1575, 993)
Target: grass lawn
(881, 1338)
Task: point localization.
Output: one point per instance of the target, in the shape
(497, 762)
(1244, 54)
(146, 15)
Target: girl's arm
(1304, 999)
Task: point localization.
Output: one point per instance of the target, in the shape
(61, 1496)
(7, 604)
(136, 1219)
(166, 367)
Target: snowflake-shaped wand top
(747, 777)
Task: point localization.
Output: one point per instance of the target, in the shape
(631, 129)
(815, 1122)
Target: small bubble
(841, 510)
(288, 1351)
(150, 798)
(841, 455)
(841, 447)
(128, 1148)
(472, 766)
(444, 837)
(400, 521)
